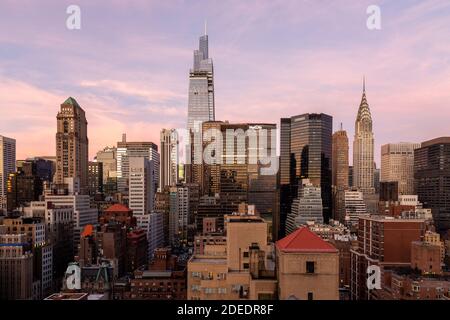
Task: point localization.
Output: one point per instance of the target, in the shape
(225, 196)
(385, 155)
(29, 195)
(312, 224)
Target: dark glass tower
(432, 179)
(305, 153)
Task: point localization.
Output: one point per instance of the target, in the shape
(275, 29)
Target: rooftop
(67, 296)
(304, 240)
(118, 208)
(71, 101)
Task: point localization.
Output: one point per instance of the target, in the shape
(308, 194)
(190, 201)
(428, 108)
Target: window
(245, 254)
(309, 266)
(310, 296)
(246, 265)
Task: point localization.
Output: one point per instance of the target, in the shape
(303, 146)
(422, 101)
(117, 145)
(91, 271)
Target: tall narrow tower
(339, 172)
(201, 87)
(363, 148)
(72, 144)
(7, 166)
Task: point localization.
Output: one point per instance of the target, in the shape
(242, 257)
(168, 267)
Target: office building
(305, 153)
(95, 178)
(72, 144)
(432, 179)
(178, 214)
(363, 149)
(384, 242)
(354, 207)
(7, 166)
(241, 268)
(152, 224)
(126, 150)
(169, 158)
(16, 265)
(23, 186)
(397, 165)
(201, 88)
(340, 172)
(307, 207)
(108, 158)
(83, 213)
(142, 190)
(137, 250)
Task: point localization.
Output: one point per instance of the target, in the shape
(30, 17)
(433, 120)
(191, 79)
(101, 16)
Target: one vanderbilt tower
(201, 87)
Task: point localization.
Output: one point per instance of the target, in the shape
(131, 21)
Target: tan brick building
(307, 267)
(240, 268)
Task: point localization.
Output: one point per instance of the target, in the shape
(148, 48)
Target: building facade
(7, 166)
(72, 144)
(169, 158)
(397, 164)
(432, 179)
(201, 88)
(307, 207)
(363, 149)
(305, 153)
(307, 267)
(340, 172)
(126, 150)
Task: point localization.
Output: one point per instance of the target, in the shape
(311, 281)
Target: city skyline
(140, 93)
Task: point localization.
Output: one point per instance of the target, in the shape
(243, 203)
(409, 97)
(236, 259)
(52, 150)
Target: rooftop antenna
(206, 24)
(341, 126)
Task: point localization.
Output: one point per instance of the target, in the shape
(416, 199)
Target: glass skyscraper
(305, 153)
(201, 88)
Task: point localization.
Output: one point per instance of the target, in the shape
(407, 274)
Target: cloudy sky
(128, 65)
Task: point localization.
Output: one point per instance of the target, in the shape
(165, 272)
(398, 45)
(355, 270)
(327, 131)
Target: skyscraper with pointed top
(363, 148)
(201, 87)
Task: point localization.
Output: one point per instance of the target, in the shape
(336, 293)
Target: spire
(206, 24)
(364, 115)
(341, 126)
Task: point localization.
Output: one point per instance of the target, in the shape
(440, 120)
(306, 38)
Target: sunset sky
(128, 65)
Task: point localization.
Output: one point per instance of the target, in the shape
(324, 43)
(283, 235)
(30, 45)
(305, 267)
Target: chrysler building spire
(363, 147)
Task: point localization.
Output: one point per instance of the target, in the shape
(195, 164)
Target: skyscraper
(108, 157)
(95, 178)
(24, 186)
(237, 173)
(141, 189)
(72, 144)
(354, 207)
(125, 150)
(16, 263)
(363, 148)
(340, 172)
(397, 164)
(305, 208)
(432, 179)
(305, 153)
(7, 166)
(201, 87)
(340, 159)
(169, 158)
